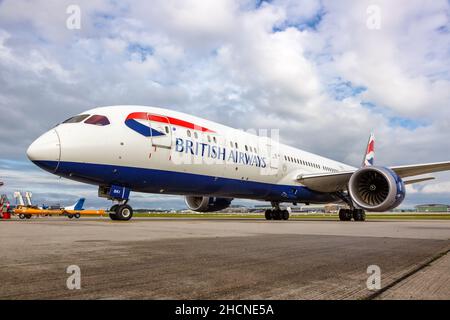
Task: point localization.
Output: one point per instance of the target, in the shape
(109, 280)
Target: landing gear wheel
(269, 215)
(285, 215)
(345, 214)
(21, 216)
(359, 215)
(124, 212)
(77, 215)
(277, 214)
(112, 211)
(28, 216)
(70, 216)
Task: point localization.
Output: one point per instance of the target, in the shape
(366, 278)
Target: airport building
(432, 208)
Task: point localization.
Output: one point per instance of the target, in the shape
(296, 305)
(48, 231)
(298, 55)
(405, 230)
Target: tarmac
(173, 258)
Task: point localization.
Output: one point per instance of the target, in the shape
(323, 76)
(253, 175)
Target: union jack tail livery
(370, 152)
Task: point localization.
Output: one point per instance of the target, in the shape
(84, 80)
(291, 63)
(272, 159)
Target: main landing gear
(276, 213)
(121, 212)
(352, 213)
(348, 214)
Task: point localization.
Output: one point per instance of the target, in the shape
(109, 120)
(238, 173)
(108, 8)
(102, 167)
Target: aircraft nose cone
(45, 151)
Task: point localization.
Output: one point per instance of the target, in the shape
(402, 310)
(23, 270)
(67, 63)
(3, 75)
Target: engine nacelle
(376, 189)
(207, 204)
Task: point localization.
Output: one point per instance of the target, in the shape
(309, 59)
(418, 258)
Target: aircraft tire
(269, 215)
(285, 214)
(113, 208)
(113, 216)
(345, 214)
(28, 216)
(21, 216)
(70, 216)
(124, 212)
(77, 215)
(359, 215)
(277, 214)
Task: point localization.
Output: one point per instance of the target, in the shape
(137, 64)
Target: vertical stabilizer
(77, 206)
(370, 152)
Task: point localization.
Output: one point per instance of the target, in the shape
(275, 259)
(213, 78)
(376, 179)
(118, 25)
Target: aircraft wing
(418, 180)
(332, 182)
(326, 182)
(417, 169)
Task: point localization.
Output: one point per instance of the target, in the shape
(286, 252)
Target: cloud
(309, 68)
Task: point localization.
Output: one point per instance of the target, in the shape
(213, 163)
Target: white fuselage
(157, 150)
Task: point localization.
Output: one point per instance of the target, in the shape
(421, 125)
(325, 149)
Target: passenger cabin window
(189, 133)
(195, 135)
(97, 120)
(76, 119)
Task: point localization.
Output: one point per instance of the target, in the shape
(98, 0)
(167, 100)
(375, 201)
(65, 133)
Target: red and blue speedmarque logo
(141, 123)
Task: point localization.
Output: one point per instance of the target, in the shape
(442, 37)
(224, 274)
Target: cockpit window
(98, 120)
(76, 119)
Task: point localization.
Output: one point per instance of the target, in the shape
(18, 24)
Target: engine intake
(376, 189)
(207, 204)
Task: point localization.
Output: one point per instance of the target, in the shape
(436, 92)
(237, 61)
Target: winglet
(370, 152)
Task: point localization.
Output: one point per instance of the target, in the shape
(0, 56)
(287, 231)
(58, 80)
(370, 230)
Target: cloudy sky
(325, 73)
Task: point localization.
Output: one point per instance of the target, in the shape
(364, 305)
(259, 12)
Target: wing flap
(418, 169)
(418, 180)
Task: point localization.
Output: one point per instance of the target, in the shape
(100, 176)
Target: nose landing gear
(121, 211)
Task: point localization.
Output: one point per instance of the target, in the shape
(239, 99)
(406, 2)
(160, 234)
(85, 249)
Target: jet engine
(376, 189)
(207, 204)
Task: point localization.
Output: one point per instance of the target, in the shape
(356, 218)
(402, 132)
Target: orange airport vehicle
(25, 212)
(25, 209)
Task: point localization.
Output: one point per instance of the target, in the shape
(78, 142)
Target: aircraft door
(273, 154)
(160, 131)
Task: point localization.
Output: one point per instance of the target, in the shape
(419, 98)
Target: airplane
(156, 150)
(78, 206)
